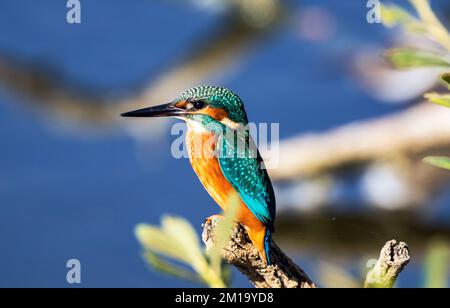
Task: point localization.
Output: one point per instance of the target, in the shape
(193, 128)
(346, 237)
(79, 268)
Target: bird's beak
(166, 110)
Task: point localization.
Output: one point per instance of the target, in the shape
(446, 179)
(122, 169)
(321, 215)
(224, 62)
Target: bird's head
(202, 105)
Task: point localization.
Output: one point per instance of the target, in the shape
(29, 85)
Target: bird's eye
(199, 104)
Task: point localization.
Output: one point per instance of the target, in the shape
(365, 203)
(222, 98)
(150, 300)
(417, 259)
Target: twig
(393, 259)
(240, 252)
(434, 26)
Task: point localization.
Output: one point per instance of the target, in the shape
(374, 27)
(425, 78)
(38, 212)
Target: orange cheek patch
(216, 113)
(181, 104)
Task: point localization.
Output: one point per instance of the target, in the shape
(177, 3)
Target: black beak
(166, 110)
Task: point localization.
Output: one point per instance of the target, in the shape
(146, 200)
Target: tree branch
(240, 252)
(417, 130)
(283, 273)
(393, 259)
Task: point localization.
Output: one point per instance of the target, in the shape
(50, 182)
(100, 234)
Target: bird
(227, 167)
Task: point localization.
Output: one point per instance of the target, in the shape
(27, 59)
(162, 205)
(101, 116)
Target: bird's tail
(261, 239)
(267, 242)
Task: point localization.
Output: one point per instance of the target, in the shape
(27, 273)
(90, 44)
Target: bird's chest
(201, 147)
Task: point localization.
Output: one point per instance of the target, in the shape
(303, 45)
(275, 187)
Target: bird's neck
(201, 143)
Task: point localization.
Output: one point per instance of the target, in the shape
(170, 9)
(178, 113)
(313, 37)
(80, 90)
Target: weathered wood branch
(284, 273)
(393, 258)
(240, 252)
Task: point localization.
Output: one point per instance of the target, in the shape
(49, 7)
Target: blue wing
(247, 174)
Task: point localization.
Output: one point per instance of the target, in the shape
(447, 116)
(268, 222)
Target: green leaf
(445, 78)
(438, 161)
(185, 236)
(223, 232)
(175, 239)
(437, 262)
(393, 15)
(440, 99)
(168, 268)
(404, 58)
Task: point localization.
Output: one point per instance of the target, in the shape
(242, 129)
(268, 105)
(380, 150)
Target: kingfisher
(229, 168)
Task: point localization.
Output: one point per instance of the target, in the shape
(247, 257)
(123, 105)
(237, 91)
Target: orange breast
(201, 148)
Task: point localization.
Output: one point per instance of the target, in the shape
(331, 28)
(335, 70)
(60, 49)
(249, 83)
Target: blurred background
(75, 179)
